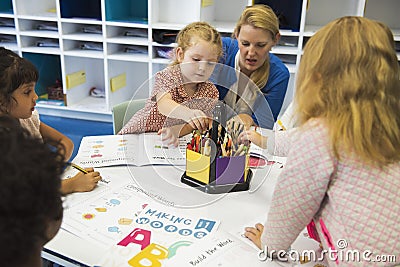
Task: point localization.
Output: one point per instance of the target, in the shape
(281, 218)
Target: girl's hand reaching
(197, 119)
(169, 136)
(254, 137)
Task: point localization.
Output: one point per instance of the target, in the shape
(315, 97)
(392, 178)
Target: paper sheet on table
(131, 149)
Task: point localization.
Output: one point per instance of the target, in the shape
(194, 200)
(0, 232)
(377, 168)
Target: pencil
(79, 168)
(281, 124)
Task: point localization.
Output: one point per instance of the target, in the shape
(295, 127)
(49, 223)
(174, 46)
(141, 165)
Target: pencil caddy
(213, 174)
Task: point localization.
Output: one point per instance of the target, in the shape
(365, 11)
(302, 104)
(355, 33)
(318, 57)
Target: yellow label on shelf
(205, 3)
(76, 78)
(118, 82)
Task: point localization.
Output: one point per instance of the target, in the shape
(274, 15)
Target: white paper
(132, 149)
(157, 234)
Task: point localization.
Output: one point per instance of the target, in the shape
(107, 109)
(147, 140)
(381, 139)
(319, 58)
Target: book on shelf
(130, 149)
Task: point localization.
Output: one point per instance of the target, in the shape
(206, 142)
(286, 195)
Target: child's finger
(197, 124)
(192, 124)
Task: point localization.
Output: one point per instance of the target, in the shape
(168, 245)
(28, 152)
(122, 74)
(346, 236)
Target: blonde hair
(262, 17)
(349, 76)
(198, 30)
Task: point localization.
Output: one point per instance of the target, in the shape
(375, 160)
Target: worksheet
(131, 149)
(156, 235)
(107, 216)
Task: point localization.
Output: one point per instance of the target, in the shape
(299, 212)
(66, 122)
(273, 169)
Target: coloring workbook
(139, 230)
(132, 149)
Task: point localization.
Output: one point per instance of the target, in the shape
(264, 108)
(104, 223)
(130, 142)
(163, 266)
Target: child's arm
(244, 119)
(81, 182)
(254, 137)
(49, 133)
(172, 134)
(169, 136)
(168, 107)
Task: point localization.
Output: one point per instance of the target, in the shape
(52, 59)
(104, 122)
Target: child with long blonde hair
(343, 170)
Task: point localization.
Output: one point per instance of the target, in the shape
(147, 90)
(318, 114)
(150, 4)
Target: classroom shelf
(95, 35)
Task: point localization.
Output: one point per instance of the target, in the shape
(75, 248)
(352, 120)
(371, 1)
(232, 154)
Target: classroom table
(234, 210)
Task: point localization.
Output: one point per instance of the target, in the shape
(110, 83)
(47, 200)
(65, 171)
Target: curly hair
(349, 76)
(30, 191)
(14, 72)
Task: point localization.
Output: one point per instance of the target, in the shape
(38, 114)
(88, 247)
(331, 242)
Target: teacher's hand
(244, 119)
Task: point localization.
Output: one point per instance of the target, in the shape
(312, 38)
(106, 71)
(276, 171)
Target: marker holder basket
(222, 175)
(213, 174)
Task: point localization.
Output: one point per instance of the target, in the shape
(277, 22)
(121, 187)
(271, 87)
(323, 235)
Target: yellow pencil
(281, 124)
(79, 168)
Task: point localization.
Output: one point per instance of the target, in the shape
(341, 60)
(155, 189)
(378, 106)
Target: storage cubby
(128, 52)
(288, 12)
(397, 45)
(163, 53)
(120, 44)
(31, 9)
(127, 11)
(9, 41)
(320, 12)
(82, 74)
(49, 67)
(8, 34)
(127, 80)
(388, 13)
(127, 35)
(38, 28)
(170, 12)
(83, 48)
(82, 31)
(223, 14)
(40, 45)
(88, 9)
(7, 25)
(6, 7)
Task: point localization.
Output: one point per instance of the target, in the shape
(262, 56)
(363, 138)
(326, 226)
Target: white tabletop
(234, 210)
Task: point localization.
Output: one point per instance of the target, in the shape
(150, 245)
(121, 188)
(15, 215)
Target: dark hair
(30, 191)
(14, 72)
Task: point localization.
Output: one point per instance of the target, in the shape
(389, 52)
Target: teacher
(252, 81)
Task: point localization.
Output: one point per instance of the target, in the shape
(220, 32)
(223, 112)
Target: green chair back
(124, 111)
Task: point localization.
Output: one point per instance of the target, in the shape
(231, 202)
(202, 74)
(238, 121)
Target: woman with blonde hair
(343, 169)
(253, 82)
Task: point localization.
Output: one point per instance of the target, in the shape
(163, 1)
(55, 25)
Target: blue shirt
(267, 107)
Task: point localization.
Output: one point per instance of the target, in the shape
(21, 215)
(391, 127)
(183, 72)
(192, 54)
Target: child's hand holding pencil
(85, 180)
